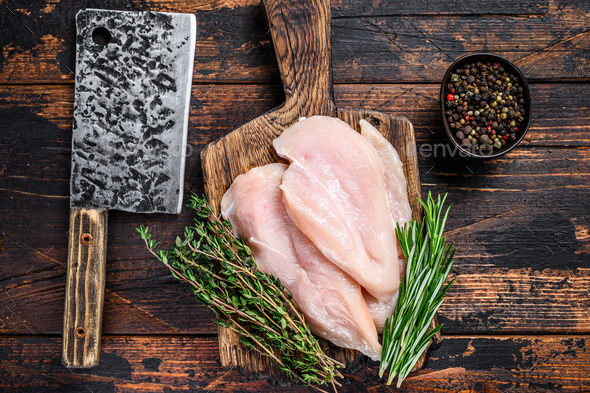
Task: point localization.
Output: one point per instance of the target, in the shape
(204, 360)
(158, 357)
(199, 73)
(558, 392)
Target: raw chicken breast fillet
(335, 192)
(329, 298)
(400, 213)
(395, 181)
(380, 311)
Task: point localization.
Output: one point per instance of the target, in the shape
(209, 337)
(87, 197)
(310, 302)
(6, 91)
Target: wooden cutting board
(301, 37)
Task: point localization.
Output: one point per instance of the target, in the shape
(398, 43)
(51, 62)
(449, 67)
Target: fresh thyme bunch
(429, 261)
(224, 276)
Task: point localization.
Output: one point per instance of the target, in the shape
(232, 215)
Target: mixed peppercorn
(484, 106)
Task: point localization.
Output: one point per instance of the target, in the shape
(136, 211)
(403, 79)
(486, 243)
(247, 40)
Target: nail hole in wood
(80, 332)
(375, 122)
(86, 239)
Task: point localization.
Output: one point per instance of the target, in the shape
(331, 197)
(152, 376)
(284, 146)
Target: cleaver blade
(131, 106)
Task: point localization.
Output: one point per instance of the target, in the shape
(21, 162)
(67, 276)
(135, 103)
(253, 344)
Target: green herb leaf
(429, 261)
(223, 275)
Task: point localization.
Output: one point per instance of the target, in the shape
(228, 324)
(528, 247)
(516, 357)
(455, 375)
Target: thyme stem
(224, 276)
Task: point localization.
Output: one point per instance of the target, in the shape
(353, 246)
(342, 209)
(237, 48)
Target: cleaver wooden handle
(301, 37)
(85, 277)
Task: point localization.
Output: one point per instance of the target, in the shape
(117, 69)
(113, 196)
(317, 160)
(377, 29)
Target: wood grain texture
(544, 181)
(352, 8)
(218, 109)
(301, 38)
(509, 281)
(491, 364)
(84, 294)
(372, 41)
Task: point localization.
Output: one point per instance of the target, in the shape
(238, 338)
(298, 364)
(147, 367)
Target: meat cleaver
(131, 106)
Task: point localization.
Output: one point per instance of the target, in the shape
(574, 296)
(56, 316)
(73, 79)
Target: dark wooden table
(517, 319)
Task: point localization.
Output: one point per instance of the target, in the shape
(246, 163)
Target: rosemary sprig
(224, 276)
(429, 261)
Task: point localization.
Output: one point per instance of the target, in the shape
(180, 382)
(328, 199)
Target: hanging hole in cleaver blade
(101, 36)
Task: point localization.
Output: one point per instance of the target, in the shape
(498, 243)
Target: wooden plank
(400, 42)
(493, 293)
(542, 181)
(156, 364)
(560, 116)
(352, 8)
(406, 49)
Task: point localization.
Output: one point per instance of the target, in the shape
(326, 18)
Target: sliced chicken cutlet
(328, 297)
(395, 181)
(400, 210)
(335, 192)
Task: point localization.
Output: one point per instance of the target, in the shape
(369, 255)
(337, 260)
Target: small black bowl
(511, 69)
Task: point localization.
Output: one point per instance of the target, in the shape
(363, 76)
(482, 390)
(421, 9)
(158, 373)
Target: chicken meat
(335, 192)
(329, 298)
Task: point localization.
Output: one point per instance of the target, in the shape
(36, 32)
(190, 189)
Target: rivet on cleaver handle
(131, 107)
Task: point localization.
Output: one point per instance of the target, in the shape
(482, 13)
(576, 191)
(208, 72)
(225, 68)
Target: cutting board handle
(301, 36)
(85, 277)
